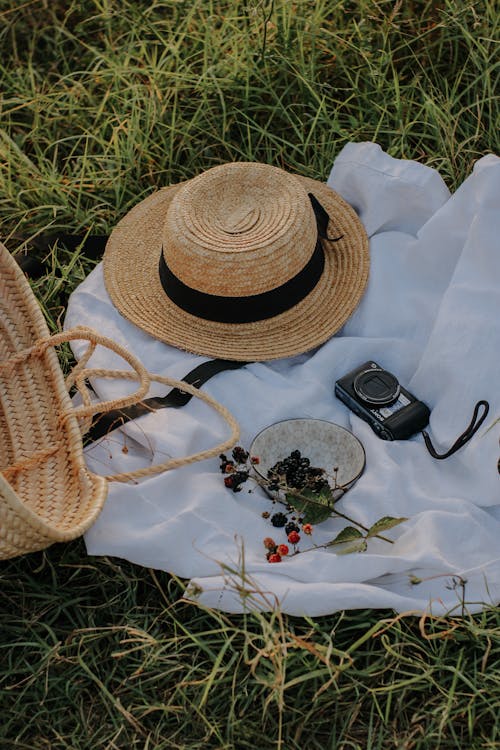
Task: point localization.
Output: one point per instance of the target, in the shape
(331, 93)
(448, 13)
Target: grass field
(102, 102)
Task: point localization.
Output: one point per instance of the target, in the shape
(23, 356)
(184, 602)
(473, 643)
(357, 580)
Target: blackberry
(296, 472)
(291, 527)
(275, 472)
(278, 519)
(240, 455)
(320, 485)
(223, 463)
(238, 478)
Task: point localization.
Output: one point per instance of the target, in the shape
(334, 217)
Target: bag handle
(80, 373)
(74, 334)
(175, 463)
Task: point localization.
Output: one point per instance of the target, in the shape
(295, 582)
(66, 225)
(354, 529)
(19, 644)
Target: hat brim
(132, 280)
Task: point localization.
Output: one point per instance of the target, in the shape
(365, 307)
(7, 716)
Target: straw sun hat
(239, 263)
(47, 493)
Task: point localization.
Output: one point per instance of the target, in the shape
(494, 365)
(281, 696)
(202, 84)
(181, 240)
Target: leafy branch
(309, 493)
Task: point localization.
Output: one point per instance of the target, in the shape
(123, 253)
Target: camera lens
(376, 387)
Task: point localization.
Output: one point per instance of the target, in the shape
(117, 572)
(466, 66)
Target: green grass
(102, 102)
(98, 653)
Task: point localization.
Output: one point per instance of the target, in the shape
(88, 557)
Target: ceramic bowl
(326, 444)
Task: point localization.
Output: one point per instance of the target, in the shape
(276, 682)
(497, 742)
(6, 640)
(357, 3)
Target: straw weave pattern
(237, 229)
(47, 493)
(234, 232)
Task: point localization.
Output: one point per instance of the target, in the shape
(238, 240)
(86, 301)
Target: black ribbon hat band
(251, 308)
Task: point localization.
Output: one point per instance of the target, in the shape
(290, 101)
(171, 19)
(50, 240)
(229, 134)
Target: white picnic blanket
(431, 315)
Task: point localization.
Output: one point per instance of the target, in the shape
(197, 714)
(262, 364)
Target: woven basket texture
(47, 493)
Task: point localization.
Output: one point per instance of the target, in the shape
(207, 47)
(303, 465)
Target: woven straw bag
(47, 493)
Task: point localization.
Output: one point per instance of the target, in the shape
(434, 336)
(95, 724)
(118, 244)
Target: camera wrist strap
(466, 435)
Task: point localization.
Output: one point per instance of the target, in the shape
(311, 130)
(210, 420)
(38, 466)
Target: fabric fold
(430, 315)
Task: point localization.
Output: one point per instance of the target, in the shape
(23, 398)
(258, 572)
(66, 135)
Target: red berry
(228, 481)
(269, 543)
(282, 550)
(229, 468)
(307, 528)
(293, 537)
(255, 460)
(274, 558)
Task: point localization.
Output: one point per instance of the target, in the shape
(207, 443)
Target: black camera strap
(104, 423)
(466, 435)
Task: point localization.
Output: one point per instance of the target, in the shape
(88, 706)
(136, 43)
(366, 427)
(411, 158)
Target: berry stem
(243, 458)
(299, 496)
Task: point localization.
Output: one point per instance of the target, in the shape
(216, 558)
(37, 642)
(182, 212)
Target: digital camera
(375, 395)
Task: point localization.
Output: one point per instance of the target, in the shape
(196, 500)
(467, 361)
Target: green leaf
(314, 507)
(355, 547)
(387, 522)
(316, 514)
(349, 534)
(310, 497)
